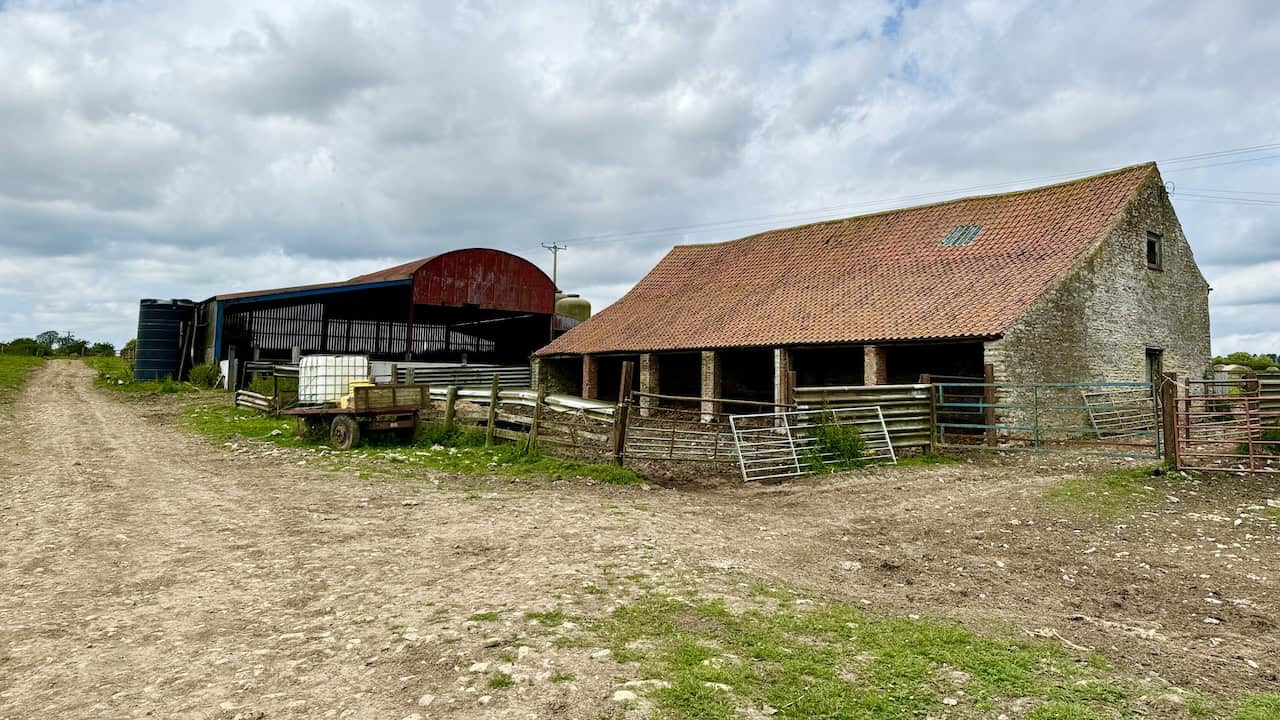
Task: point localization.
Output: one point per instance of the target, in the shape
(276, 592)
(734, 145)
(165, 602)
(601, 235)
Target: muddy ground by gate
(150, 573)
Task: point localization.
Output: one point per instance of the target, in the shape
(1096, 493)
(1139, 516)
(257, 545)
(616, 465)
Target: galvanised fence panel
(772, 446)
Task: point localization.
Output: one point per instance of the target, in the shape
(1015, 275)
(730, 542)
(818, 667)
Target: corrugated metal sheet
(474, 277)
(489, 279)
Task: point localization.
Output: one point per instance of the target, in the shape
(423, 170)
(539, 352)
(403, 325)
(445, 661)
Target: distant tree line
(52, 343)
(1249, 360)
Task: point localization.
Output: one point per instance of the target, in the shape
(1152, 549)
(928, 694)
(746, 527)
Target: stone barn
(1090, 280)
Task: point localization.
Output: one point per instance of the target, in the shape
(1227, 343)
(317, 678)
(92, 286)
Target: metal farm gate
(1230, 425)
(772, 446)
(1118, 417)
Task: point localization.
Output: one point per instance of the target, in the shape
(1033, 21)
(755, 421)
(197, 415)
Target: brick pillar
(783, 393)
(649, 383)
(590, 377)
(710, 385)
(874, 369)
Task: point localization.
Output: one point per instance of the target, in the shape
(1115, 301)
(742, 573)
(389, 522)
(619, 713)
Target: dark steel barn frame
(480, 304)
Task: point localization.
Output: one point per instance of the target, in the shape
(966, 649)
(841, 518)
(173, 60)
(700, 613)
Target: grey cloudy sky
(160, 149)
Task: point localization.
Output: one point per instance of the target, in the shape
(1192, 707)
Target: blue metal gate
(1119, 418)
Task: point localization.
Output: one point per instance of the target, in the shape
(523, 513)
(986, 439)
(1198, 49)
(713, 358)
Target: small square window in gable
(1155, 251)
(961, 235)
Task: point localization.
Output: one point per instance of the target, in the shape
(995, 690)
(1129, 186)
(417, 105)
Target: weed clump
(836, 446)
(205, 375)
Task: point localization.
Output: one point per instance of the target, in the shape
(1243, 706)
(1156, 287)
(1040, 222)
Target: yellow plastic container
(349, 399)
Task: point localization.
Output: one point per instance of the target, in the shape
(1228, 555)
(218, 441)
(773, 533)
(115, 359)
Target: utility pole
(555, 256)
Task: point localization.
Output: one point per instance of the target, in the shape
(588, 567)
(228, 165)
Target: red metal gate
(1228, 425)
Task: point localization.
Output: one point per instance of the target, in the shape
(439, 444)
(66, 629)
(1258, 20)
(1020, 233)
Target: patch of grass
(501, 680)
(462, 451)
(1106, 494)
(225, 423)
(485, 616)
(1263, 706)
(1272, 513)
(926, 459)
(550, 618)
(1198, 706)
(563, 677)
(15, 368)
(455, 436)
(836, 661)
(114, 373)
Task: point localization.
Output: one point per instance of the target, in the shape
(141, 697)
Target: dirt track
(148, 573)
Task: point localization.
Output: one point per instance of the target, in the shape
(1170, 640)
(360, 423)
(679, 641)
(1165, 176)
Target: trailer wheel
(344, 432)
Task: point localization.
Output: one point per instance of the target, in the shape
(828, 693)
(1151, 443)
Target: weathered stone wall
(1097, 325)
(558, 375)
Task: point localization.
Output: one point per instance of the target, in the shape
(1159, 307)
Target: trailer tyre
(344, 432)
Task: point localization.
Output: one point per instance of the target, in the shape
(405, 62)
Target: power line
(555, 257)
(837, 211)
(1224, 190)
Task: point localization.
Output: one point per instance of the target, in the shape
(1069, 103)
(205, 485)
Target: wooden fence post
(537, 420)
(493, 412)
(450, 403)
(622, 410)
(1168, 392)
(927, 381)
(989, 401)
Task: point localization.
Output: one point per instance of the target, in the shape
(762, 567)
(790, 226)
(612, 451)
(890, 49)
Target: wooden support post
(1167, 391)
(395, 374)
(493, 412)
(989, 401)
(324, 328)
(621, 411)
(408, 331)
(927, 381)
(450, 405)
(537, 420)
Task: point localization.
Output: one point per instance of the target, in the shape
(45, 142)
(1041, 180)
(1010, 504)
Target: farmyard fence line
(1210, 425)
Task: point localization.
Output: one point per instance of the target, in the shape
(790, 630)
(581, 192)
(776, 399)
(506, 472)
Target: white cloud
(166, 149)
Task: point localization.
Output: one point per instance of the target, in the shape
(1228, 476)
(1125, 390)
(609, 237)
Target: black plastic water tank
(160, 326)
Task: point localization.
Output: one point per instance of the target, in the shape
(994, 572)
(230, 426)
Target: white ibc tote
(327, 378)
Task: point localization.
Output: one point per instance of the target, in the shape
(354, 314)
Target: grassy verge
(1264, 706)
(437, 448)
(794, 660)
(1107, 494)
(113, 373)
(14, 370)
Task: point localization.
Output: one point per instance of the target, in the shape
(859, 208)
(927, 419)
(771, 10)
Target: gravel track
(147, 572)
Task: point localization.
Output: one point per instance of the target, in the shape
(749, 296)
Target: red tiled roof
(880, 277)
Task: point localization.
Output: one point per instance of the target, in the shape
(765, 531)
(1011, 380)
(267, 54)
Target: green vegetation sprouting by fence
(114, 373)
(456, 448)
